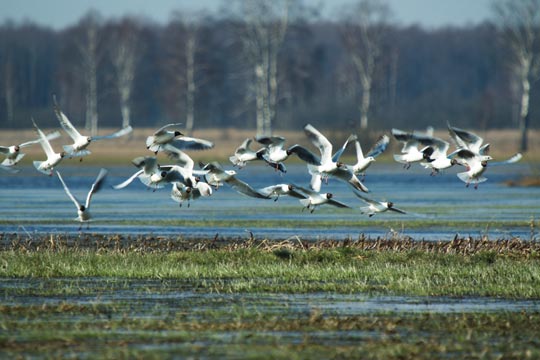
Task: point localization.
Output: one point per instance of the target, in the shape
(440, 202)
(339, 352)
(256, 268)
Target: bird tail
(69, 150)
(400, 158)
(464, 176)
(11, 162)
(305, 202)
(37, 165)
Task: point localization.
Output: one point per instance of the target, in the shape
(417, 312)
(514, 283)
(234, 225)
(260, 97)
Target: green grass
(159, 297)
(286, 269)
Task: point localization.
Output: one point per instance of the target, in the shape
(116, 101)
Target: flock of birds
(188, 183)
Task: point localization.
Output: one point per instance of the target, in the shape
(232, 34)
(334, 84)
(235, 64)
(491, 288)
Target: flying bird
(218, 175)
(363, 162)
(279, 190)
(83, 211)
(275, 154)
(13, 153)
(175, 139)
(53, 158)
(476, 166)
(152, 174)
(314, 199)
(414, 147)
(375, 207)
(243, 154)
(80, 142)
(329, 165)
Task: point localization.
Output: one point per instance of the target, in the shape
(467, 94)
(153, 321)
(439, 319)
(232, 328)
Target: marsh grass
(462, 267)
(125, 297)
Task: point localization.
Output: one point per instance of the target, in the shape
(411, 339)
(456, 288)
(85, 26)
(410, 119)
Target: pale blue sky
(61, 13)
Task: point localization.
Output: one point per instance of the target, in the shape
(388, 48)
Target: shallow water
(33, 203)
(154, 298)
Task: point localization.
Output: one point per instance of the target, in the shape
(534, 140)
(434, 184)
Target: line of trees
(275, 65)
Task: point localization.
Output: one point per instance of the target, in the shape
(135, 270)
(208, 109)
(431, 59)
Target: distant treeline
(424, 77)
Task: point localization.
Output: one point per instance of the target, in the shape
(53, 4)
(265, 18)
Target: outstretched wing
(128, 181)
(77, 205)
(305, 154)
(379, 147)
(321, 142)
(340, 151)
(190, 143)
(366, 199)
(43, 141)
(96, 186)
(51, 136)
(128, 129)
(513, 159)
(162, 129)
(244, 188)
(65, 123)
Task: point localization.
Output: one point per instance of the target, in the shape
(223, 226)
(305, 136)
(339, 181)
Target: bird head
(329, 195)
(178, 133)
(82, 208)
(389, 204)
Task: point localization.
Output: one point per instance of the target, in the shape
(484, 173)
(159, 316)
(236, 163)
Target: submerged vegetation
(159, 297)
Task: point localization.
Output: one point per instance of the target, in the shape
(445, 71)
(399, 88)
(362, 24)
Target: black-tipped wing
(96, 186)
(244, 188)
(189, 143)
(305, 154)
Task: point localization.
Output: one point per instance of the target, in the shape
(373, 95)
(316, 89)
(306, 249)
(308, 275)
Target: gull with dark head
(375, 207)
(415, 147)
(314, 199)
(275, 154)
(83, 211)
(13, 153)
(281, 190)
(217, 175)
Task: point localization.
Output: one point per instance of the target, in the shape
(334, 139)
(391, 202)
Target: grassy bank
(463, 267)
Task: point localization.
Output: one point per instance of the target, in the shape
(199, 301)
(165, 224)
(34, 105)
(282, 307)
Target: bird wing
(338, 153)
(162, 129)
(465, 139)
(66, 124)
(271, 141)
(180, 157)
(396, 210)
(321, 142)
(244, 146)
(96, 186)
(244, 188)
(338, 204)
(128, 129)
(128, 181)
(366, 199)
(305, 154)
(378, 148)
(359, 153)
(51, 136)
(43, 141)
(513, 159)
(5, 149)
(190, 143)
(348, 176)
(68, 192)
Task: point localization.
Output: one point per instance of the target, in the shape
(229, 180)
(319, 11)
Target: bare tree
(519, 22)
(363, 28)
(89, 49)
(9, 88)
(266, 24)
(181, 62)
(124, 50)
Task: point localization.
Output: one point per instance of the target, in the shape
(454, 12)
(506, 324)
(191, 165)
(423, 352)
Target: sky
(59, 14)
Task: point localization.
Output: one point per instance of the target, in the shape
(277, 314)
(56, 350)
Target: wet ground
(438, 207)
